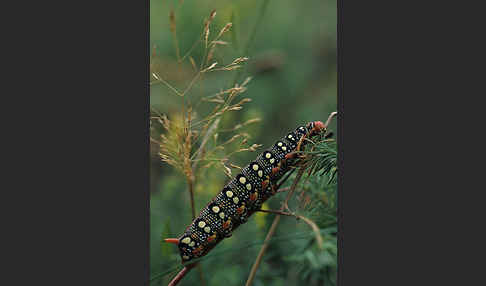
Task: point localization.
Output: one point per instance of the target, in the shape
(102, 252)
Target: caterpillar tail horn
(329, 119)
(172, 240)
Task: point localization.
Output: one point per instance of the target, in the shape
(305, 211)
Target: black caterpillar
(242, 196)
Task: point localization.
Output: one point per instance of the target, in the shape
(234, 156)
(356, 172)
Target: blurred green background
(293, 68)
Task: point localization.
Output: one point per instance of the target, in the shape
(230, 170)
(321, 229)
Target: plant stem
(255, 266)
(190, 182)
(312, 224)
(272, 230)
(275, 212)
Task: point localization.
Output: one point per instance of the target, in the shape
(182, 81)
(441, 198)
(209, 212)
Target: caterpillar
(242, 196)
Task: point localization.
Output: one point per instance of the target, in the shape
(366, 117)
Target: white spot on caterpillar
(248, 187)
(201, 224)
(255, 167)
(242, 180)
(268, 155)
(207, 229)
(260, 173)
(229, 194)
(186, 240)
(236, 200)
(284, 148)
(216, 209)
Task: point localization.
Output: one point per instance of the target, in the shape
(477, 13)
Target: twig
(271, 232)
(315, 228)
(312, 224)
(167, 84)
(191, 83)
(179, 276)
(283, 190)
(211, 129)
(190, 183)
(275, 212)
(190, 50)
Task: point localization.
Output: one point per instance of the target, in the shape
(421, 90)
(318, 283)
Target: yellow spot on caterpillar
(192, 244)
(242, 180)
(272, 160)
(284, 148)
(255, 167)
(186, 240)
(279, 144)
(201, 224)
(236, 200)
(216, 209)
(207, 229)
(260, 173)
(248, 187)
(221, 214)
(185, 257)
(268, 155)
(229, 194)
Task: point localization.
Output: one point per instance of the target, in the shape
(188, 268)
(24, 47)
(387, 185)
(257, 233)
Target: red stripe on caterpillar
(241, 197)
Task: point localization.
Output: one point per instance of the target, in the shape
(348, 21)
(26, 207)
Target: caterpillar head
(316, 127)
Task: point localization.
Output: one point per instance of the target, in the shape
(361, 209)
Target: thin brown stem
(292, 189)
(315, 228)
(312, 224)
(190, 183)
(283, 190)
(191, 84)
(179, 276)
(255, 266)
(160, 79)
(272, 230)
(190, 50)
(275, 212)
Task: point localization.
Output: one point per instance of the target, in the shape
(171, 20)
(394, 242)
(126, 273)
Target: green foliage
(324, 159)
(318, 266)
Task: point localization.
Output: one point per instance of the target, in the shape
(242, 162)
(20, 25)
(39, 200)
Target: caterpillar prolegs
(242, 196)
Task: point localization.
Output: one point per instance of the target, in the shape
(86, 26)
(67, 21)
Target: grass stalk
(272, 230)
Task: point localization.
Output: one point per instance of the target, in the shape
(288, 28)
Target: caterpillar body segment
(243, 195)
